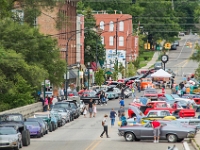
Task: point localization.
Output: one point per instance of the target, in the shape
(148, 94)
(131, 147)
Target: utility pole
(116, 42)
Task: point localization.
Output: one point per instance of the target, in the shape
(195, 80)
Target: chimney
(120, 12)
(115, 11)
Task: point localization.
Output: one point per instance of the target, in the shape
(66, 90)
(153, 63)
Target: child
(85, 111)
(94, 110)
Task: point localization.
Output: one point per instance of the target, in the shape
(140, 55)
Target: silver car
(63, 112)
(10, 138)
(169, 132)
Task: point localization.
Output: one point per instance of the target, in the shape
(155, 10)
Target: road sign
(167, 45)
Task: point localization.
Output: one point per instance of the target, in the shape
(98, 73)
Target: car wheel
(172, 138)
(39, 135)
(25, 138)
(50, 127)
(129, 136)
(63, 122)
(47, 131)
(53, 126)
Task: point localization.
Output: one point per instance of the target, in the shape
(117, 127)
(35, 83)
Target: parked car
(34, 128)
(169, 132)
(67, 106)
(173, 47)
(74, 108)
(42, 123)
(181, 34)
(118, 91)
(10, 138)
(16, 119)
(127, 92)
(170, 71)
(89, 94)
(176, 43)
(151, 93)
(65, 114)
(158, 65)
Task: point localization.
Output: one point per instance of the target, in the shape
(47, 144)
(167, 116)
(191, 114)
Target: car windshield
(41, 116)
(7, 131)
(91, 93)
(31, 123)
(61, 105)
(73, 105)
(58, 109)
(11, 118)
(150, 92)
(113, 83)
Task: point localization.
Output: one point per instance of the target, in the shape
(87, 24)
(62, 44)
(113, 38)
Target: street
(84, 134)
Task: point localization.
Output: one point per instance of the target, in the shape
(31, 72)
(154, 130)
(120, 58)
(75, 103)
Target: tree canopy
(26, 58)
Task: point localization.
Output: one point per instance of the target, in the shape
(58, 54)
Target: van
(158, 65)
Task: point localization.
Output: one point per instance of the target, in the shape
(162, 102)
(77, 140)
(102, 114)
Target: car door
(147, 132)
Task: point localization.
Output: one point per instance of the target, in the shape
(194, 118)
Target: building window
(102, 40)
(111, 26)
(102, 25)
(111, 40)
(121, 41)
(121, 26)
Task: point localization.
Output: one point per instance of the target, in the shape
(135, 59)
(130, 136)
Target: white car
(190, 121)
(181, 34)
(10, 138)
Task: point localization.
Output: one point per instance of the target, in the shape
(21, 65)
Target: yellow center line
(91, 144)
(95, 145)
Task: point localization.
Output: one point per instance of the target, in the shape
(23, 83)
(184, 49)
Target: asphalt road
(84, 134)
(179, 60)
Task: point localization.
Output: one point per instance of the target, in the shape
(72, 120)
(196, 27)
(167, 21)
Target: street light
(78, 66)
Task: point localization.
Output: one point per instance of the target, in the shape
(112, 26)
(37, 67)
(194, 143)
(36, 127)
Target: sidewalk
(153, 60)
(196, 141)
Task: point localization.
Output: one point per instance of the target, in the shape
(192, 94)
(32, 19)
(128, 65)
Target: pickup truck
(161, 105)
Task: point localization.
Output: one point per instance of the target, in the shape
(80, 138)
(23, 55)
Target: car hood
(8, 138)
(33, 128)
(136, 110)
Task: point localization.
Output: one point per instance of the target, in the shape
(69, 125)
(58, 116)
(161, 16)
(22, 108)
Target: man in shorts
(90, 107)
(156, 130)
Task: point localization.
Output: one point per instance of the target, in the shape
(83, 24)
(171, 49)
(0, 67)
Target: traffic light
(149, 46)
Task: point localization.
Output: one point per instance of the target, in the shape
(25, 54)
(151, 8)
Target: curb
(194, 144)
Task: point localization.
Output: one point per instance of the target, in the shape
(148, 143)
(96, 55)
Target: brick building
(127, 44)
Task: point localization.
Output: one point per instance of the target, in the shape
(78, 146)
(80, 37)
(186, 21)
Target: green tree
(92, 39)
(99, 77)
(122, 69)
(115, 72)
(131, 70)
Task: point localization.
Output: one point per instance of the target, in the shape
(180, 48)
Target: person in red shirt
(51, 103)
(175, 105)
(156, 130)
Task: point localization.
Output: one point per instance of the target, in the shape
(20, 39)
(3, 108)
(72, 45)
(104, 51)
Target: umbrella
(108, 72)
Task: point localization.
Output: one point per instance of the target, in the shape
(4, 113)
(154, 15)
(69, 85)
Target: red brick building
(127, 44)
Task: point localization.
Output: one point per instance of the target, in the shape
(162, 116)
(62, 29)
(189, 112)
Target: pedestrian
(163, 89)
(175, 105)
(46, 104)
(133, 92)
(139, 117)
(113, 114)
(188, 106)
(123, 120)
(138, 86)
(120, 112)
(94, 110)
(105, 126)
(51, 102)
(156, 130)
(90, 107)
(85, 111)
(103, 98)
(184, 90)
(121, 102)
(177, 88)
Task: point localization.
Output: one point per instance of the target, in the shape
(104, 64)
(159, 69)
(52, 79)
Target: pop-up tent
(161, 74)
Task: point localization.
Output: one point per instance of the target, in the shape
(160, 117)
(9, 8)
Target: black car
(173, 47)
(17, 120)
(67, 106)
(87, 95)
(74, 108)
(41, 122)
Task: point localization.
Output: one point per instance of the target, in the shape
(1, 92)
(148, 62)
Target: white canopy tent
(161, 74)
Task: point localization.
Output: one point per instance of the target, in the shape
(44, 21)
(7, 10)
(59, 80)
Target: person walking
(156, 130)
(51, 102)
(139, 117)
(120, 112)
(121, 102)
(133, 92)
(85, 111)
(46, 104)
(123, 120)
(90, 107)
(113, 114)
(122, 92)
(105, 126)
(94, 110)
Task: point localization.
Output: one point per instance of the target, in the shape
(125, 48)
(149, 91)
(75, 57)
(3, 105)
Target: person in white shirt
(105, 126)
